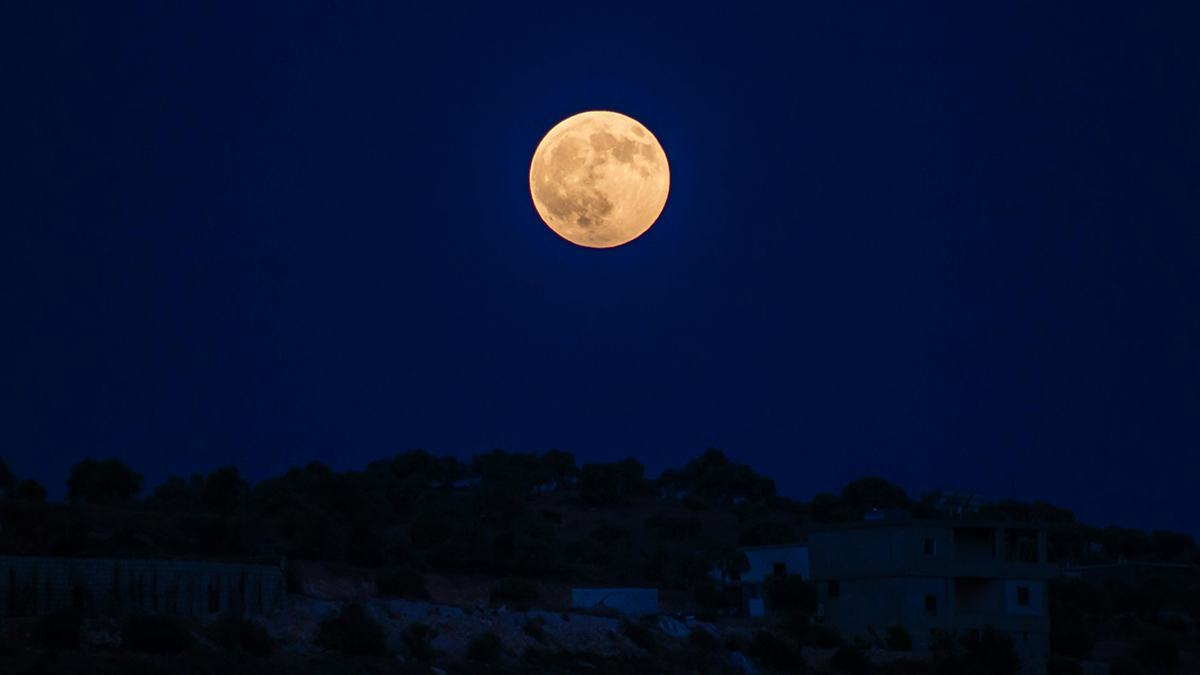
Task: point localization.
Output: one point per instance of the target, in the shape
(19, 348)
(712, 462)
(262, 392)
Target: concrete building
(957, 576)
(34, 586)
(766, 563)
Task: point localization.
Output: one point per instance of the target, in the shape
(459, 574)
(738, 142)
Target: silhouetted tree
(714, 478)
(611, 484)
(29, 490)
(561, 467)
(107, 483)
(177, 495)
(449, 470)
(873, 492)
(224, 491)
(8, 481)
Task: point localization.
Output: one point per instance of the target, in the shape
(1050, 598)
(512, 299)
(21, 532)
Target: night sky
(951, 246)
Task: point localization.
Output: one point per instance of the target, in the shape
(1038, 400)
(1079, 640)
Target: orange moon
(599, 179)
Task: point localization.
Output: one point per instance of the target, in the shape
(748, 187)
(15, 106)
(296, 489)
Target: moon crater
(599, 179)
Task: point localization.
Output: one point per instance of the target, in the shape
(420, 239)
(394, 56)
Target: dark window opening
(780, 569)
(1025, 638)
(931, 603)
(1022, 595)
(835, 588)
(1021, 545)
(214, 599)
(930, 547)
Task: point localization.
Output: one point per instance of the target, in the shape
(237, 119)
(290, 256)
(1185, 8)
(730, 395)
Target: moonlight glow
(599, 179)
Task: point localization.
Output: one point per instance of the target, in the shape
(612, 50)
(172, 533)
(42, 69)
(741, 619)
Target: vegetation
(484, 648)
(59, 630)
(899, 639)
(416, 638)
(352, 631)
(236, 633)
(402, 581)
(850, 660)
(534, 630)
(640, 634)
(155, 633)
(514, 590)
(775, 652)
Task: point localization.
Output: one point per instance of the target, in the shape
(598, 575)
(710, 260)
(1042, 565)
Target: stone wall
(33, 586)
(628, 600)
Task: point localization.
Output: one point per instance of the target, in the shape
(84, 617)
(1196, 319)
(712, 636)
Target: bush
(1059, 664)
(693, 503)
(850, 660)
(1159, 651)
(640, 635)
(150, 633)
(236, 633)
(484, 648)
(514, 590)
(995, 651)
(1072, 640)
(534, 630)
(899, 639)
(824, 637)
(59, 630)
(703, 640)
(1123, 665)
(404, 581)
(775, 653)
(792, 593)
(352, 631)
(416, 638)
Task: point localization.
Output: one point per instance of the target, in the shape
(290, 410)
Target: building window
(1022, 595)
(930, 547)
(1025, 638)
(835, 588)
(781, 569)
(931, 603)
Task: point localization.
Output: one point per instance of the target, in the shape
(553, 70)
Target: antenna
(959, 502)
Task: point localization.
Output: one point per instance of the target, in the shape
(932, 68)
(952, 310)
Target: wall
(628, 600)
(763, 559)
(31, 586)
(1037, 596)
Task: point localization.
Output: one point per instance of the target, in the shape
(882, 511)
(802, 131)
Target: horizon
(938, 245)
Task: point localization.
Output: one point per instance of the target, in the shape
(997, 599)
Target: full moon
(599, 179)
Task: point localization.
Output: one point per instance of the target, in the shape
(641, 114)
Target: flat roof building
(957, 576)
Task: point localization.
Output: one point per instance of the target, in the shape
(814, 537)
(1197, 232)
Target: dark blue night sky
(938, 245)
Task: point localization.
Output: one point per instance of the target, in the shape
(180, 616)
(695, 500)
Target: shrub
(1072, 640)
(515, 590)
(775, 653)
(693, 503)
(703, 640)
(150, 633)
(1059, 664)
(416, 638)
(850, 660)
(553, 517)
(1123, 665)
(899, 639)
(534, 630)
(404, 581)
(59, 630)
(824, 637)
(994, 650)
(640, 635)
(484, 648)
(1159, 651)
(792, 593)
(234, 632)
(352, 631)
